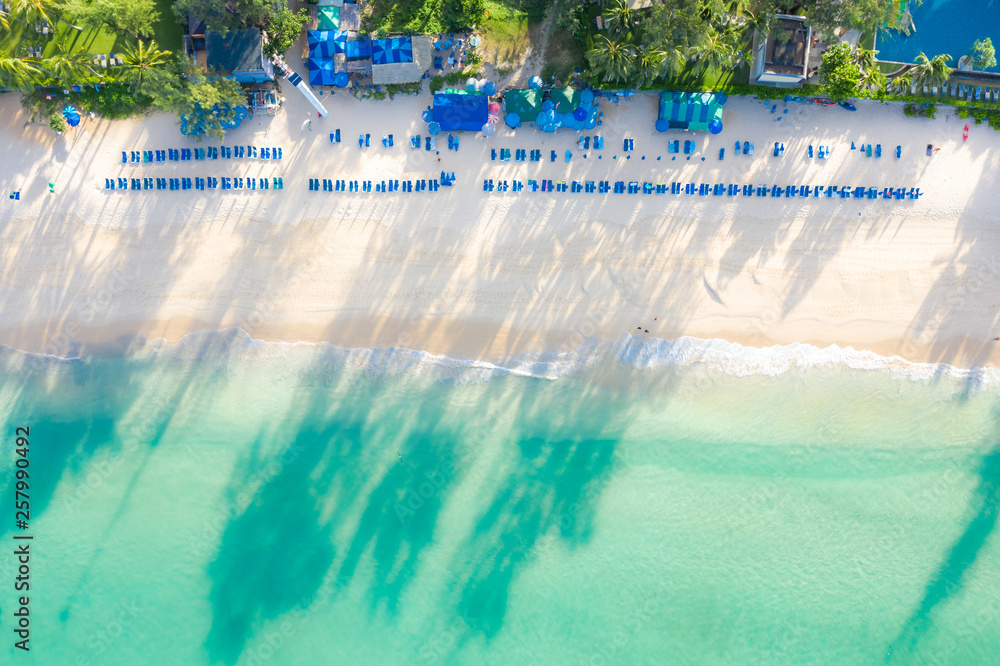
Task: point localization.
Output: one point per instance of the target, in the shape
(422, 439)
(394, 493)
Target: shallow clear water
(227, 502)
(943, 26)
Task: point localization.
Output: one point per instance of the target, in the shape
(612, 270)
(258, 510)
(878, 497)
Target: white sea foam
(644, 354)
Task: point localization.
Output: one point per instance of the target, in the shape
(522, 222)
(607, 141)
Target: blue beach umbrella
(715, 127)
(72, 117)
(513, 120)
(548, 105)
(580, 114)
(489, 129)
(490, 88)
(471, 84)
(662, 125)
(428, 115)
(587, 96)
(341, 79)
(535, 82)
(433, 129)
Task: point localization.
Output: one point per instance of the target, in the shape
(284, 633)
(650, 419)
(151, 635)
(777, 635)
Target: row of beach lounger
(674, 147)
(333, 185)
(210, 183)
(706, 189)
(211, 153)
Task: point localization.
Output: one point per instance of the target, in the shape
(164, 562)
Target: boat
(847, 105)
(965, 132)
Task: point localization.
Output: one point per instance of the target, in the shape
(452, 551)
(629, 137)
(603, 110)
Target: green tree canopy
(58, 123)
(983, 55)
(839, 72)
(135, 17)
(869, 16)
(283, 28)
(205, 93)
(225, 15)
(462, 14)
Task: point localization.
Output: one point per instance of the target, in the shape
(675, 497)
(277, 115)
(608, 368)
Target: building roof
(787, 48)
(237, 51)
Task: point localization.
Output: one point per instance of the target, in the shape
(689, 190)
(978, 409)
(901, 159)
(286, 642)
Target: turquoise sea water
(227, 502)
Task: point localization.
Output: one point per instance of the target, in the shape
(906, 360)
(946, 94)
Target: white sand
(470, 274)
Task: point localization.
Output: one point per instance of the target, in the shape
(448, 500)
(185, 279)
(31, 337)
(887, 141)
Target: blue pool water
(944, 26)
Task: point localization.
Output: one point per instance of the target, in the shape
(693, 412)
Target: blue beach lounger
(878, 150)
(811, 150)
(722, 153)
(899, 152)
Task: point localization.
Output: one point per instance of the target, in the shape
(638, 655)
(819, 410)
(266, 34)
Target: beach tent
(565, 99)
(694, 111)
(357, 50)
(455, 111)
(391, 51)
(329, 18)
(525, 103)
(321, 72)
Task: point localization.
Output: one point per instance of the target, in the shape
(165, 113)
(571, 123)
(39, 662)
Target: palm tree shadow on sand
(947, 582)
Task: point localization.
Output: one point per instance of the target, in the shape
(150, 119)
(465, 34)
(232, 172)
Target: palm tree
(648, 65)
(16, 72)
(715, 52)
(930, 71)
(620, 18)
(142, 61)
(68, 65)
(611, 61)
(871, 76)
(34, 10)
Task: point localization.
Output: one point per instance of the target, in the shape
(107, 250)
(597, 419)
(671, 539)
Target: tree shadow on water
(401, 516)
(550, 495)
(272, 556)
(947, 582)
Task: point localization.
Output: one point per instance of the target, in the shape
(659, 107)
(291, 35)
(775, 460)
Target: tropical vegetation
(983, 54)
(640, 46)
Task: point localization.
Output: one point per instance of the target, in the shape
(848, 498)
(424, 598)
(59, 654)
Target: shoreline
(471, 275)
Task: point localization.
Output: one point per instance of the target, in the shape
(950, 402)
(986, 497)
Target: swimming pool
(943, 26)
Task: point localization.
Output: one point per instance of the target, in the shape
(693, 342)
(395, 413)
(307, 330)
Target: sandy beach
(471, 274)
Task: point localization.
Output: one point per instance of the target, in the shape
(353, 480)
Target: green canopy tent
(565, 99)
(525, 103)
(329, 18)
(694, 111)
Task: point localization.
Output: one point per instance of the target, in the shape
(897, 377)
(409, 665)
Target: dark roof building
(239, 55)
(781, 57)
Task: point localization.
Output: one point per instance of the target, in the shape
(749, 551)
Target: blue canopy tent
(455, 112)
(391, 51)
(321, 72)
(358, 50)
